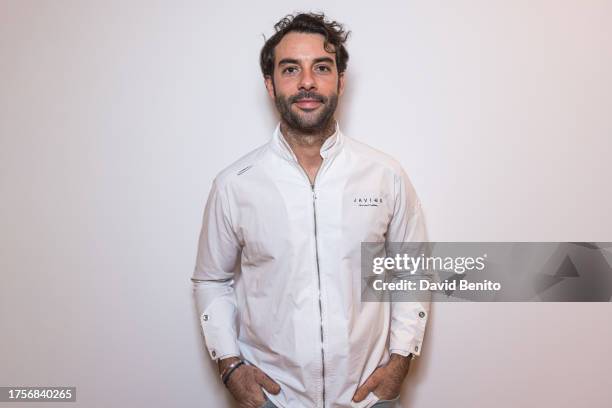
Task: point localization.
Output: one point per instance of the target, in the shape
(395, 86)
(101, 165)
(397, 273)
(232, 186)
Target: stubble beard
(307, 123)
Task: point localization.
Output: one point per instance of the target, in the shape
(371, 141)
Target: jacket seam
(227, 210)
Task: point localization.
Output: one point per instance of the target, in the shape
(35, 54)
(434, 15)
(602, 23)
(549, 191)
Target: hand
(245, 384)
(386, 381)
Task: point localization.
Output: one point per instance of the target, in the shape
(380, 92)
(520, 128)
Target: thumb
(364, 390)
(269, 384)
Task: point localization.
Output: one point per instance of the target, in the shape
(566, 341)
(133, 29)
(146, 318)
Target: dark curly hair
(334, 33)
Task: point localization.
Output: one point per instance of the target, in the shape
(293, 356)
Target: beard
(307, 121)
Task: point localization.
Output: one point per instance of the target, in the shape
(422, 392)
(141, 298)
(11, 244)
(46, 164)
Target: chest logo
(367, 201)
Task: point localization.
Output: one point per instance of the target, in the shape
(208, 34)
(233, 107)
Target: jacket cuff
(404, 353)
(219, 334)
(413, 348)
(408, 338)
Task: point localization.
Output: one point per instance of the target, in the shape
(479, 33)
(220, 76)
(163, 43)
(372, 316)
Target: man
(277, 280)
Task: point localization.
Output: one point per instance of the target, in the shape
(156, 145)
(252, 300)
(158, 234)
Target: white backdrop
(116, 115)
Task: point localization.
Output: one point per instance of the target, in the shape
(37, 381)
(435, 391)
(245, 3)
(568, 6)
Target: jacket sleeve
(408, 318)
(213, 277)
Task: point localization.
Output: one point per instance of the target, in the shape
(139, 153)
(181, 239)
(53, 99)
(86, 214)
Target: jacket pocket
(386, 403)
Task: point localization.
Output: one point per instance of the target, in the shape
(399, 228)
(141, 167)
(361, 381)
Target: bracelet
(229, 367)
(229, 370)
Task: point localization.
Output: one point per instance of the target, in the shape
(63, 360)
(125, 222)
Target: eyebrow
(323, 59)
(294, 61)
(287, 61)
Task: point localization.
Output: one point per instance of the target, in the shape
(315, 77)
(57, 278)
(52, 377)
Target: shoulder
(240, 166)
(371, 155)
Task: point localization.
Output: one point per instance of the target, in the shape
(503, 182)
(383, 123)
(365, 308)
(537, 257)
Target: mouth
(308, 104)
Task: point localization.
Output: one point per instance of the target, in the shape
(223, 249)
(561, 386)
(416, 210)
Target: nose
(307, 81)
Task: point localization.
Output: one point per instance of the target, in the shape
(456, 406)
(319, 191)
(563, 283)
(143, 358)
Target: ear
(269, 85)
(340, 84)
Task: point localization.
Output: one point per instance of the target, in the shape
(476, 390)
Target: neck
(307, 146)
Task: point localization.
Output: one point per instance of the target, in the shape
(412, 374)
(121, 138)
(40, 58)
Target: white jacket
(277, 276)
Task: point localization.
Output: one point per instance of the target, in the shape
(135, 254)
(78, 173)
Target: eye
(323, 68)
(289, 70)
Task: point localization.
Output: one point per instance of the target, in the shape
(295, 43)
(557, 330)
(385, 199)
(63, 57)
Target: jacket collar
(331, 147)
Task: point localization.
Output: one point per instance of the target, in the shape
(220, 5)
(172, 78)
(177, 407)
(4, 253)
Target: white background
(116, 116)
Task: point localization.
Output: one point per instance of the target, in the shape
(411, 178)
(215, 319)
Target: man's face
(305, 84)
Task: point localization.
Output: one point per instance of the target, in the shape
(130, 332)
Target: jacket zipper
(314, 213)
